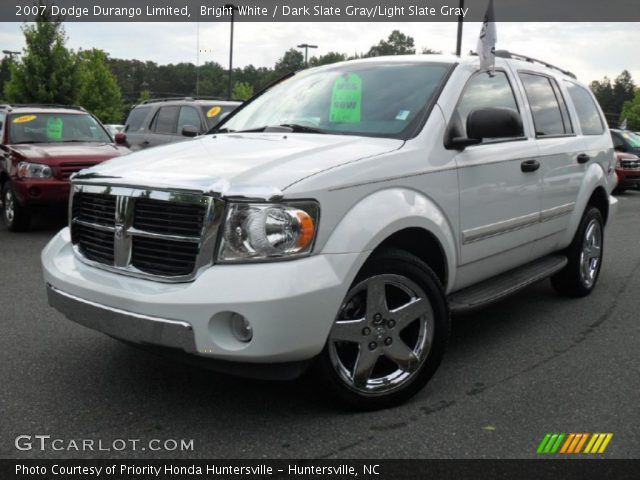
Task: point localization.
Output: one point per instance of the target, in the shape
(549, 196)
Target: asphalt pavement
(532, 364)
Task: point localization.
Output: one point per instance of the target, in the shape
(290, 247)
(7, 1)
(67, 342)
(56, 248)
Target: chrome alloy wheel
(382, 334)
(9, 206)
(591, 254)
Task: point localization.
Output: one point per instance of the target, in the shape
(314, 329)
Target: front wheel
(16, 218)
(389, 334)
(579, 277)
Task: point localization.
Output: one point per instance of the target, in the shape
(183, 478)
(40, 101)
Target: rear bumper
(41, 192)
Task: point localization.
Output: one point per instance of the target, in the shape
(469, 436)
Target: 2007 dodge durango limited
(338, 218)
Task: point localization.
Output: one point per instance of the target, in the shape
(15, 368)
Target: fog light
(241, 328)
(34, 191)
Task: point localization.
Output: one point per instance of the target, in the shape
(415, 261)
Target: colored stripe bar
(606, 441)
(567, 443)
(550, 443)
(593, 439)
(543, 443)
(555, 447)
(581, 443)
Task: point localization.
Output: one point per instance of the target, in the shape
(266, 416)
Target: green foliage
(430, 51)
(5, 73)
(98, 91)
(47, 72)
(631, 111)
(397, 44)
(144, 96)
(242, 91)
(612, 96)
(291, 61)
(326, 59)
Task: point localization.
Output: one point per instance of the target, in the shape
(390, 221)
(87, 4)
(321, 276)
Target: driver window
(483, 91)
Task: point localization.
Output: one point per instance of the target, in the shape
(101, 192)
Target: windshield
(55, 128)
(632, 139)
(213, 113)
(375, 99)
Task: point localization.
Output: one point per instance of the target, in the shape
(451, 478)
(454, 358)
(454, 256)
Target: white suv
(338, 218)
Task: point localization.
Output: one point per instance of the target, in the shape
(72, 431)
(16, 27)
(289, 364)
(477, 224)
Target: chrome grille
(68, 169)
(630, 164)
(163, 257)
(96, 245)
(95, 208)
(169, 218)
(164, 235)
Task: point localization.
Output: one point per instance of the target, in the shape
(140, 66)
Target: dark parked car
(625, 141)
(168, 120)
(41, 146)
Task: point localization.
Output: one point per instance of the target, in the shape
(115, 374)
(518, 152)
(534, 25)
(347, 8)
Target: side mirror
(494, 123)
(121, 138)
(190, 131)
(488, 123)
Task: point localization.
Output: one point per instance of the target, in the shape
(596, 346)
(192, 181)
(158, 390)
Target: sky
(590, 50)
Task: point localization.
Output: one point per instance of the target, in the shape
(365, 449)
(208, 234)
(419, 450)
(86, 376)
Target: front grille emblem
(119, 232)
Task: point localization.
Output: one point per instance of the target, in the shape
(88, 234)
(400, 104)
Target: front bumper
(291, 304)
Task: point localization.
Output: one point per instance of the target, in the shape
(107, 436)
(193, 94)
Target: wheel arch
(401, 218)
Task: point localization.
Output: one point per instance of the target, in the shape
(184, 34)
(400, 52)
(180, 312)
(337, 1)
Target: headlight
(34, 170)
(258, 231)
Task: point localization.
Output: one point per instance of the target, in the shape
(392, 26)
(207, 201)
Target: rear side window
(189, 116)
(166, 120)
(483, 91)
(135, 119)
(588, 115)
(550, 115)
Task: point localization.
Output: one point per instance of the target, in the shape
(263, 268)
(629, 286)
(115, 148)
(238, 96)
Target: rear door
(164, 126)
(561, 151)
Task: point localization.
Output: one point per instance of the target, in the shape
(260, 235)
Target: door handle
(583, 158)
(530, 165)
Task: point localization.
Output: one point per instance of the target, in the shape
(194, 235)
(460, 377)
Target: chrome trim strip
(517, 223)
(123, 324)
(124, 231)
(559, 211)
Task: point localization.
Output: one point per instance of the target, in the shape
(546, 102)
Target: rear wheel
(389, 334)
(579, 277)
(15, 216)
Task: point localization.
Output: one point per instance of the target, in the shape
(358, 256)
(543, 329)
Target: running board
(503, 285)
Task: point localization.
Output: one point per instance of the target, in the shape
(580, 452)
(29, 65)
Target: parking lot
(533, 364)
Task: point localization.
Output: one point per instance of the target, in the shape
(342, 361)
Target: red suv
(41, 146)
(628, 171)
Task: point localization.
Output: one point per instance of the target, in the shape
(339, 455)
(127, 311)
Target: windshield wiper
(284, 127)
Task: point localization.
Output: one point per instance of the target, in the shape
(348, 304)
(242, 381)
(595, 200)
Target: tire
(401, 351)
(579, 277)
(15, 216)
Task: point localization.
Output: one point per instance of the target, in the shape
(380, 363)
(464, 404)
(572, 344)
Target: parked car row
(41, 146)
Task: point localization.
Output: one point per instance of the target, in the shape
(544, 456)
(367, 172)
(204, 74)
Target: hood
(215, 163)
(55, 155)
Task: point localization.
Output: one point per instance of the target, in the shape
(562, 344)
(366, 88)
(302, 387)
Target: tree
(5, 72)
(327, 58)
(242, 91)
(624, 90)
(612, 96)
(631, 112)
(430, 51)
(397, 44)
(98, 90)
(47, 72)
(291, 61)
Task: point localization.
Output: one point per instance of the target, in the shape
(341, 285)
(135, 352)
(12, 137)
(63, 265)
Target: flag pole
(460, 20)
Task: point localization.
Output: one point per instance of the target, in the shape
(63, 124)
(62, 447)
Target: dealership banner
(583, 469)
(324, 10)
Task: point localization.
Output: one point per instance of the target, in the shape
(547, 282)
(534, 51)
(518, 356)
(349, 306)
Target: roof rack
(517, 56)
(11, 106)
(173, 99)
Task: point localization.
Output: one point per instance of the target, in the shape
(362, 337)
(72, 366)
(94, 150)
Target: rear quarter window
(136, 118)
(588, 115)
